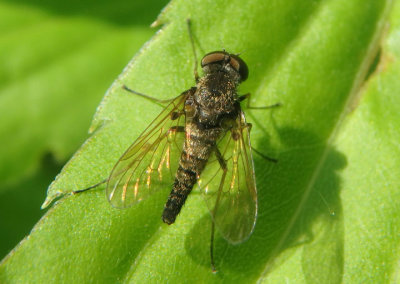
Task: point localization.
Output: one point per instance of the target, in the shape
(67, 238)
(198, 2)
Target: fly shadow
(298, 205)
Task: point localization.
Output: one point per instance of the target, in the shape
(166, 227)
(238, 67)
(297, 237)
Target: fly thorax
(225, 69)
(218, 84)
(211, 110)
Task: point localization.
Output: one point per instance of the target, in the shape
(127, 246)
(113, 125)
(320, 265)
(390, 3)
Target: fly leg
(224, 168)
(153, 99)
(162, 103)
(196, 74)
(264, 156)
(174, 115)
(249, 126)
(248, 95)
(90, 187)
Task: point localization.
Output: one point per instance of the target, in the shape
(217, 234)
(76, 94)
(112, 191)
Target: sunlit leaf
(329, 207)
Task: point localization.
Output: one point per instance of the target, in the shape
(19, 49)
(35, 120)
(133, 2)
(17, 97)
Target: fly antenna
(221, 42)
(240, 53)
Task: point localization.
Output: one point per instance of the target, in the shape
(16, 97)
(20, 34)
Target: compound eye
(221, 56)
(235, 64)
(213, 57)
(240, 66)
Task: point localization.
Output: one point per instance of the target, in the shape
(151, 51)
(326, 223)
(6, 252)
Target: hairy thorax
(215, 99)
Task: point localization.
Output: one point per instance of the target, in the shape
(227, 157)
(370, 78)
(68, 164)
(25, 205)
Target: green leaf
(53, 71)
(328, 209)
(56, 61)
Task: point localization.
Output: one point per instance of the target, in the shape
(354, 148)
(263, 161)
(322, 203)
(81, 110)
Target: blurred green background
(57, 60)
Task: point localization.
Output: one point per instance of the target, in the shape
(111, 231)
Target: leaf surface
(328, 209)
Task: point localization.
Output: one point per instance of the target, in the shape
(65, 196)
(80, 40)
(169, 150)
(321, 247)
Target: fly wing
(151, 161)
(232, 196)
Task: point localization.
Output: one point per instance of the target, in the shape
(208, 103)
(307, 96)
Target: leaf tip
(156, 23)
(49, 199)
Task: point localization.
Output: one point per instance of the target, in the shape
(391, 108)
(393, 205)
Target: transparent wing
(151, 161)
(232, 196)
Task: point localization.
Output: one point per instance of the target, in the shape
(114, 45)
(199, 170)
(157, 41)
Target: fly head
(232, 64)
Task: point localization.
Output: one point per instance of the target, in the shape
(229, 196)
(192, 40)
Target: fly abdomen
(190, 167)
(183, 185)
